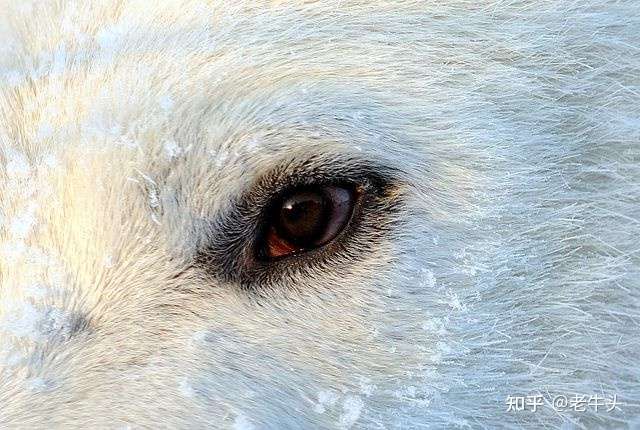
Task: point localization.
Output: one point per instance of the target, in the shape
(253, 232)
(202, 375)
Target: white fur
(125, 123)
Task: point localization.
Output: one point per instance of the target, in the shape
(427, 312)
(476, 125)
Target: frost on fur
(136, 139)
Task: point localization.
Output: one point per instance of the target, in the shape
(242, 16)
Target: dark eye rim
(228, 252)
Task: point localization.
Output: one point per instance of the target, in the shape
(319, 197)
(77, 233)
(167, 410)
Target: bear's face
(296, 215)
(141, 274)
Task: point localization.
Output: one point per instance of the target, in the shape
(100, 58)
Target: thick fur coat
(139, 140)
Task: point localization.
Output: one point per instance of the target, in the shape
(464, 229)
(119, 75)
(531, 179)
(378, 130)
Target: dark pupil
(302, 218)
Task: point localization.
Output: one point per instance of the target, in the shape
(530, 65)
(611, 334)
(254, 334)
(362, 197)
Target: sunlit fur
(125, 126)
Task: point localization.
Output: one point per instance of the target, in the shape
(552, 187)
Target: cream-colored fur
(511, 268)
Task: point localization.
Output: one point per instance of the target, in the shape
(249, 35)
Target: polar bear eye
(303, 217)
(307, 218)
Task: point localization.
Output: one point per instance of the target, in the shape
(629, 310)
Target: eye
(307, 218)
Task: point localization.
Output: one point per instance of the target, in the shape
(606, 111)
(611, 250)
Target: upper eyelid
(320, 170)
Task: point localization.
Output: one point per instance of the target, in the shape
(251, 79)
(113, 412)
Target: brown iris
(307, 218)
